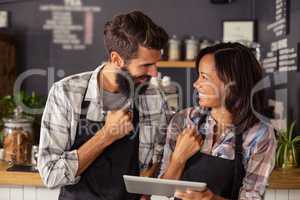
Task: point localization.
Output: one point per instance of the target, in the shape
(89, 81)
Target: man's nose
(152, 71)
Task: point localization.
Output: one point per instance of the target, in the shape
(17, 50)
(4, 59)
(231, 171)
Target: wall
(193, 17)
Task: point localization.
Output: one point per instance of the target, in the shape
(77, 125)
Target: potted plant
(286, 155)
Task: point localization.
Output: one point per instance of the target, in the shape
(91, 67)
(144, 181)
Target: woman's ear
(116, 59)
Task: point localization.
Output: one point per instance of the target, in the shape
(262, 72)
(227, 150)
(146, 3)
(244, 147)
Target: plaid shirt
(57, 163)
(259, 147)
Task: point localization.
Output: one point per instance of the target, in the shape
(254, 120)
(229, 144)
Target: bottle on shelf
(167, 90)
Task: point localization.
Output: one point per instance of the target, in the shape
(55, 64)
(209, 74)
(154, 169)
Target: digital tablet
(161, 187)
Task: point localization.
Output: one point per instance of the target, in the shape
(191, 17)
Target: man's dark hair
(236, 64)
(125, 32)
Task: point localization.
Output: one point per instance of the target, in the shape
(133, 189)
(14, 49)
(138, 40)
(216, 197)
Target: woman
(222, 143)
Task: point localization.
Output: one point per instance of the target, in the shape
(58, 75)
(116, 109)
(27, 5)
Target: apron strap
(239, 171)
(84, 104)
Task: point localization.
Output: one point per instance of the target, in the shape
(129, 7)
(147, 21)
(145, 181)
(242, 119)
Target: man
(89, 135)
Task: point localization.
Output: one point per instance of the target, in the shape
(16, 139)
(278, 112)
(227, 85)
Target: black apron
(103, 180)
(223, 176)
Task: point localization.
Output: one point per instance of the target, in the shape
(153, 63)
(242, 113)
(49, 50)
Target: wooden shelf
(176, 64)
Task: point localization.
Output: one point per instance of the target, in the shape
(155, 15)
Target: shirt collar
(93, 91)
(94, 97)
(212, 122)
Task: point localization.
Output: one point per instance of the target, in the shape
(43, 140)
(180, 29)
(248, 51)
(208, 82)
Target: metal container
(18, 138)
(204, 43)
(174, 48)
(191, 48)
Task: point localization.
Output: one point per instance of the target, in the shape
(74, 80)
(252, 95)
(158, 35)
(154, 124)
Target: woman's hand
(187, 144)
(195, 195)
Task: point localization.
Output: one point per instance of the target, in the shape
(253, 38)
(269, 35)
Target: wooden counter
(19, 178)
(285, 179)
(280, 179)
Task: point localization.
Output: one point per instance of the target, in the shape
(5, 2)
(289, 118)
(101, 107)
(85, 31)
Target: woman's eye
(204, 77)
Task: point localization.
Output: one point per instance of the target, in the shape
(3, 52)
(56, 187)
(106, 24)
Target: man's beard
(129, 85)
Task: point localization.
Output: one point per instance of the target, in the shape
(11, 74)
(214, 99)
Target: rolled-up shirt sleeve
(260, 164)
(57, 164)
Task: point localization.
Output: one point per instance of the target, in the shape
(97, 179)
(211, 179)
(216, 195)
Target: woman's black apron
(103, 180)
(223, 176)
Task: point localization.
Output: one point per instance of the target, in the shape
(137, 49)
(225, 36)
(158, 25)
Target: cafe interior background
(43, 41)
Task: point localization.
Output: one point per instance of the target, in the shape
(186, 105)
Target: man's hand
(187, 144)
(118, 124)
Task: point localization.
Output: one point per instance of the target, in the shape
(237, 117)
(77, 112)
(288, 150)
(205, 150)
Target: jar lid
(18, 117)
(166, 81)
(174, 39)
(154, 81)
(191, 39)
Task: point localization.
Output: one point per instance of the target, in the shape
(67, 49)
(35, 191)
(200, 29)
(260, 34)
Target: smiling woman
(229, 72)
(222, 143)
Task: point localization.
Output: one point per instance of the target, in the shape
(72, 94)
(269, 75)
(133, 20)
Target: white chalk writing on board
(67, 33)
(280, 56)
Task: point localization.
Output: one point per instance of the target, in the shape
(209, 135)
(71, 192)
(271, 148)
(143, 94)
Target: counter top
(280, 179)
(285, 179)
(18, 178)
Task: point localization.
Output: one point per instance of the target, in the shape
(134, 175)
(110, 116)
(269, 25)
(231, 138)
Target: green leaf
(8, 97)
(282, 137)
(290, 133)
(296, 139)
(279, 154)
(285, 153)
(1, 137)
(294, 154)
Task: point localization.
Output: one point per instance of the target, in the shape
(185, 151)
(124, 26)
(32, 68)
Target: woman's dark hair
(125, 32)
(236, 64)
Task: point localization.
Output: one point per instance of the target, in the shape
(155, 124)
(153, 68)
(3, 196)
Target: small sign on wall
(3, 19)
(234, 31)
(298, 56)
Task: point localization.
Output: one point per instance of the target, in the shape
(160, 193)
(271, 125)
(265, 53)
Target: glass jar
(204, 44)
(174, 48)
(191, 48)
(18, 138)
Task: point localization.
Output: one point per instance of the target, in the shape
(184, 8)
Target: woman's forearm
(174, 170)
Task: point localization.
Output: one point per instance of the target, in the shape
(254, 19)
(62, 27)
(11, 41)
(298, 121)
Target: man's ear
(116, 59)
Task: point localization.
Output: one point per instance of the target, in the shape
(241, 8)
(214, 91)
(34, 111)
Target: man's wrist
(104, 136)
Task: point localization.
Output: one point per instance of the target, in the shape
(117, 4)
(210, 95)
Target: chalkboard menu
(69, 33)
(280, 56)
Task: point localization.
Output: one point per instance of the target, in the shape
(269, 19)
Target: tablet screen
(162, 187)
